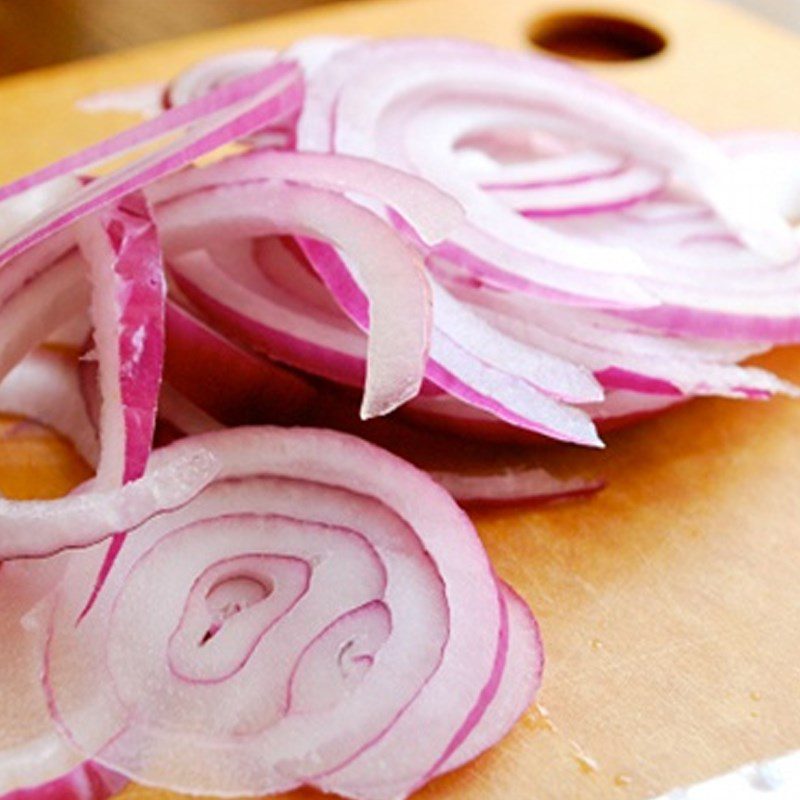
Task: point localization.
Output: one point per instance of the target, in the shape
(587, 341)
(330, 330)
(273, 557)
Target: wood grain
(669, 603)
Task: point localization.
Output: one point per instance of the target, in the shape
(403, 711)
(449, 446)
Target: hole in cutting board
(592, 36)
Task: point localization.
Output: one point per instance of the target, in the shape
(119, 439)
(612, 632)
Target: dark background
(37, 33)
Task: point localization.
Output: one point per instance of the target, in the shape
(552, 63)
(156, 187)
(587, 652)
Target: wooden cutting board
(670, 603)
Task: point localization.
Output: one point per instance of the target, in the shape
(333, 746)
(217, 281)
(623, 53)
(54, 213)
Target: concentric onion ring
(320, 604)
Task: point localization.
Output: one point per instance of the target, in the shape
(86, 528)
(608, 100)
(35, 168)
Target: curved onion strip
(432, 213)
(240, 630)
(601, 195)
(520, 683)
(474, 377)
(128, 299)
(512, 488)
(391, 273)
(225, 115)
(41, 527)
(286, 334)
(45, 387)
(35, 311)
(538, 171)
(211, 74)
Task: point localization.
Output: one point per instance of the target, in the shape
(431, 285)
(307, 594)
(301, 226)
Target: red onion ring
(357, 501)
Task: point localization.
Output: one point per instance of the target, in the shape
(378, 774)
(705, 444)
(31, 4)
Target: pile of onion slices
(434, 232)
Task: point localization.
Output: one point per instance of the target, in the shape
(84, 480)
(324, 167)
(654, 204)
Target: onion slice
(307, 676)
(89, 515)
(513, 487)
(390, 272)
(128, 299)
(232, 111)
(31, 750)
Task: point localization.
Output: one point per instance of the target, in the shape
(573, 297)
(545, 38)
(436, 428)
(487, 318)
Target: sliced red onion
(88, 515)
(418, 119)
(229, 382)
(223, 116)
(307, 676)
(470, 361)
(520, 683)
(770, 162)
(145, 99)
(391, 273)
(455, 88)
(513, 488)
(86, 782)
(32, 752)
(128, 299)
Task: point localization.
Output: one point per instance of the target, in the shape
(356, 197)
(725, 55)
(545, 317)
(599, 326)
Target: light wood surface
(669, 603)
